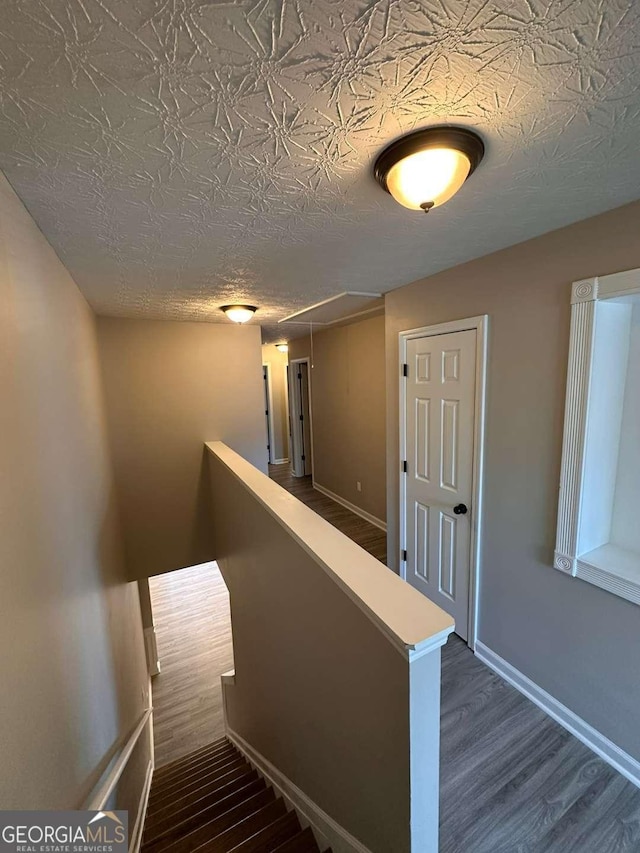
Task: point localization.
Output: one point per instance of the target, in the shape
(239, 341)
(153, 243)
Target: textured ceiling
(180, 154)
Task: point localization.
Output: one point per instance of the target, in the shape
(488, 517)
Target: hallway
(369, 537)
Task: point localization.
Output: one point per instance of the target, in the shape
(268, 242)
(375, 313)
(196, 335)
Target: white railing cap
(413, 623)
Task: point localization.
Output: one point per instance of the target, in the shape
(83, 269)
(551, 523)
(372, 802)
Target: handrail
(412, 623)
(111, 776)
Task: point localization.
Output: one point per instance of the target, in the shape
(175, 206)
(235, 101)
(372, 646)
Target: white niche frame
(570, 557)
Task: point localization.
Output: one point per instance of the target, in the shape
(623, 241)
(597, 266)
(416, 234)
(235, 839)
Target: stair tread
(189, 761)
(213, 801)
(195, 802)
(199, 781)
(208, 766)
(226, 841)
(210, 747)
(264, 841)
(220, 826)
(199, 761)
(205, 815)
(303, 842)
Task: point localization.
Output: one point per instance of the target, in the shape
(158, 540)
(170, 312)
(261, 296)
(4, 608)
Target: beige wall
(170, 387)
(72, 669)
(348, 411)
(321, 691)
(576, 641)
(277, 362)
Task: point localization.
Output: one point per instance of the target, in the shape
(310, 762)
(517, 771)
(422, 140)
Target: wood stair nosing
(303, 842)
(187, 772)
(264, 841)
(180, 828)
(198, 788)
(185, 806)
(229, 839)
(192, 761)
(208, 749)
(161, 799)
(161, 788)
(231, 819)
(213, 801)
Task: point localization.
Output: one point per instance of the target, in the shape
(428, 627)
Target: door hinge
(404, 556)
(301, 417)
(303, 458)
(404, 467)
(266, 411)
(405, 369)
(299, 376)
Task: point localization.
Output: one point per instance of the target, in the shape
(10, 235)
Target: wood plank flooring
(193, 629)
(512, 780)
(369, 537)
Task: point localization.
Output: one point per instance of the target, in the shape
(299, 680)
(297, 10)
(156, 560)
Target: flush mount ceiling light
(239, 313)
(282, 347)
(426, 168)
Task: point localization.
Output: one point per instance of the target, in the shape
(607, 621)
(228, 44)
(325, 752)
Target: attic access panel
(338, 308)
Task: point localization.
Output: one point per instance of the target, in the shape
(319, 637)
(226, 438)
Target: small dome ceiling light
(282, 347)
(426, 168)
(239, 313)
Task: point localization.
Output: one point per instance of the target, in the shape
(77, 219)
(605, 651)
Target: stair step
(178, 828)
(209, 749)
(183, 807)
(206, 766)
(226, 842)
(162, 798)
(212, 801)
(271, 836)
(191, 761)
(220, 826)
(303, 842)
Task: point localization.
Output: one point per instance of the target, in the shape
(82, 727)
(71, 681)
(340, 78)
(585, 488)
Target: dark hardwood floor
(369, 537)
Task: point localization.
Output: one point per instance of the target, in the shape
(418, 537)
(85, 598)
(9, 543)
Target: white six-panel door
(439, 423)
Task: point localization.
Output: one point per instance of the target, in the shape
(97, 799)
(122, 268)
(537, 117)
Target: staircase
(214, 801)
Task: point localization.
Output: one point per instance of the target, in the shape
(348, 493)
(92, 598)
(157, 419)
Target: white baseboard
(327, 830)
(280, 461)
(135, 841)
(372, 519)
(601, 745)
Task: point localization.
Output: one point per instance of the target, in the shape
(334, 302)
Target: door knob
(460, 509)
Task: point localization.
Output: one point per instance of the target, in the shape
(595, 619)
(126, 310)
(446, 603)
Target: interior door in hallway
(300, 408)
(439, 423)
(267, 409)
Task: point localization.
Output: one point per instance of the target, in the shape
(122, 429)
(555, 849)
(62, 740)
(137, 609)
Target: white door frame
(292, 398)
(480, 324)
(287, 438)
(270, 436)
